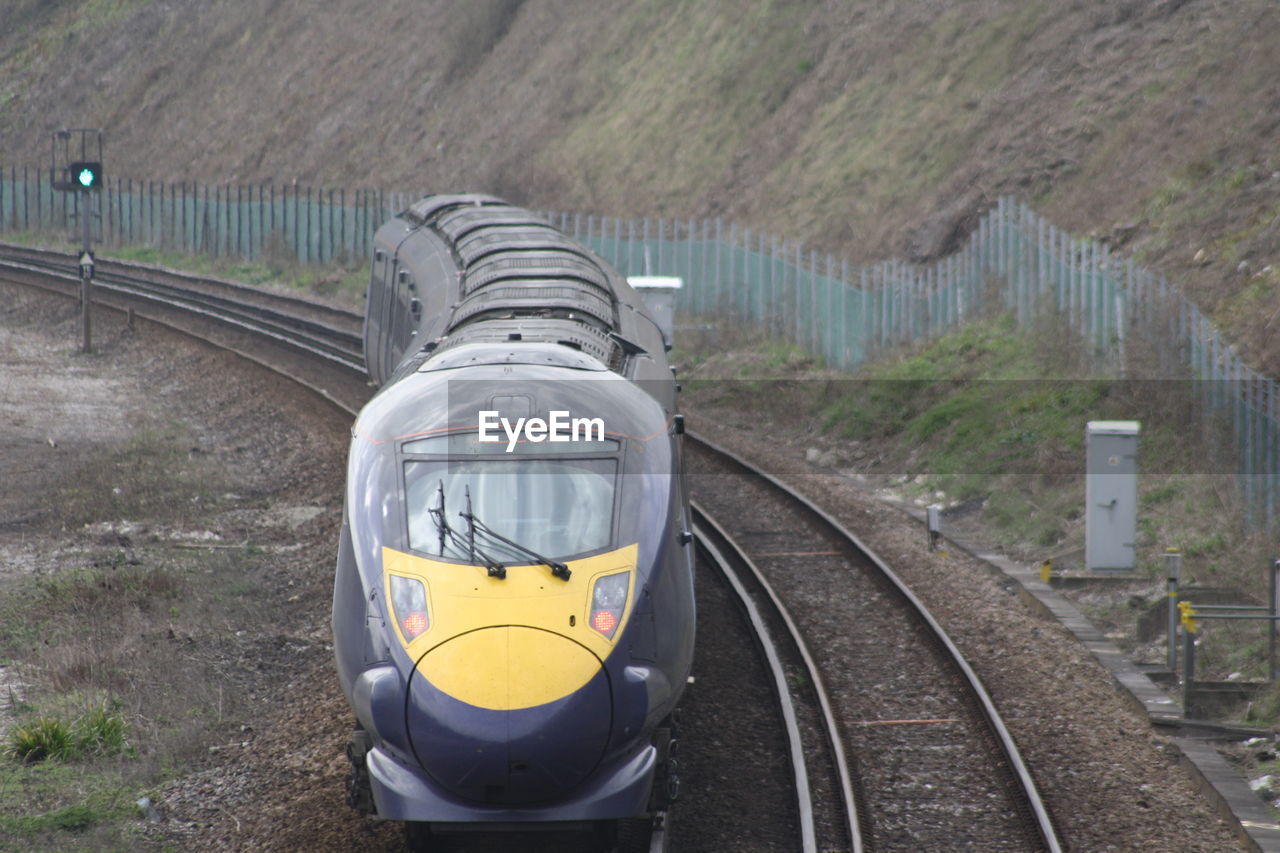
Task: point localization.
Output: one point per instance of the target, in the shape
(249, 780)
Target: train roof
(523, 280)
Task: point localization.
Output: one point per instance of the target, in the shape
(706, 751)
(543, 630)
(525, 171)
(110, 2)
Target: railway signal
(86, 174)
(82, 176)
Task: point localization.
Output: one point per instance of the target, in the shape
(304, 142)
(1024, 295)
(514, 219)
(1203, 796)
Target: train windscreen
(556, 507)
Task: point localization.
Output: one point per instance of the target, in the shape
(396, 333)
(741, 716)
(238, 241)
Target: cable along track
(936, 769)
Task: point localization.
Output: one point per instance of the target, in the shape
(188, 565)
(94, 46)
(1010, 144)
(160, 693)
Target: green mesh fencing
(1014, 262)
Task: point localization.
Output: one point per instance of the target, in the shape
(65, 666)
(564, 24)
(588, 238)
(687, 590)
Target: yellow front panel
(546, 649)
(509, 667)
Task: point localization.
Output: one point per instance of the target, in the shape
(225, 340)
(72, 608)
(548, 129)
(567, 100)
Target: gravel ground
(1110, 781)
(278, 783)
(735, 774)
(922, 786)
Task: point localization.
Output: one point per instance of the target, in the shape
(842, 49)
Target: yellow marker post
(1046, 570)
(1188, 611)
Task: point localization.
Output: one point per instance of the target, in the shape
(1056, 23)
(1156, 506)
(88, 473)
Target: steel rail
(342, 346)
(725, 552)
(173, 327)
(1009, 750)
(795, 745)
(284, 302)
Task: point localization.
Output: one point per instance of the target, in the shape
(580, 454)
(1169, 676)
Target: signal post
(83, 176)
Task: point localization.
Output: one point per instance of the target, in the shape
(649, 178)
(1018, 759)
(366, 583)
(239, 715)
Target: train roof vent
(459, 222)
(506, 353)
(535, 265)
(487, 241)
(427, 208)
(536, 297)
(567, 333)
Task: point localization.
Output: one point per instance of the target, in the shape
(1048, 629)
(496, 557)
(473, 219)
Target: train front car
(513, 607)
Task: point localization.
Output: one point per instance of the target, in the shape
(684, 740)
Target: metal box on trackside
(1111, 496)
(659, 295)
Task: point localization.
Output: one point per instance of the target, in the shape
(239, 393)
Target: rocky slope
(865, 128)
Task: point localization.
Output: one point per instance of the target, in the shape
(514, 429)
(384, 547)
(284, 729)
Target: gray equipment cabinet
(1111, 495)
(659, 295)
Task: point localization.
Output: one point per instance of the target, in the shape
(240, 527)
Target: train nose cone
(509, 714)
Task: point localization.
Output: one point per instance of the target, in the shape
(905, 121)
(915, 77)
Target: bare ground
(228, 684)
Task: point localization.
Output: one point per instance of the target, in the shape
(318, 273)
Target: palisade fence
(221, 220)
(1015, 262)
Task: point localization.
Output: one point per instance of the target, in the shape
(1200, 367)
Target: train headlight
(608, 601)
(409, 602)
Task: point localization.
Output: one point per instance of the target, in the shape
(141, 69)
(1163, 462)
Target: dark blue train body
(513, 607)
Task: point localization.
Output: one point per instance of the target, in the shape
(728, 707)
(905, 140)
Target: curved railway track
(936, 768)
(825, 802)
(320, 330)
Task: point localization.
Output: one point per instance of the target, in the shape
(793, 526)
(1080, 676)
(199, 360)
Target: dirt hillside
(866, 128)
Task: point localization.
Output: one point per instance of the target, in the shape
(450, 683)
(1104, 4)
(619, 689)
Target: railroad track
(826, 807)
(935, 767)
(311, 327)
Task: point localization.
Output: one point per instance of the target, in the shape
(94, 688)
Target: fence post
(1275, 609)
(1173, 569)
(798, 317)
(715, 300)
(311, 227)
(813, 298)
(760, 300)
(239, 245)
(773, 318)
(829, 350)
(221, 209)
(730, 279)
(1189, 664)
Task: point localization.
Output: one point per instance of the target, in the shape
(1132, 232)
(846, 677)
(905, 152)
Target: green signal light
(88, 174)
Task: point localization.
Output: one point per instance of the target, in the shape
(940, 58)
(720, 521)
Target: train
(513, 608)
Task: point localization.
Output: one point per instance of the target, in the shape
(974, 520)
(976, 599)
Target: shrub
(98, 732)
(43, 737)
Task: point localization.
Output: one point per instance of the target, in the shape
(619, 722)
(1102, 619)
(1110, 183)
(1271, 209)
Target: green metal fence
(223, 220)
(1014, 261)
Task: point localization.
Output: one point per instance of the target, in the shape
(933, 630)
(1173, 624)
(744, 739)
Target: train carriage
(513, 605)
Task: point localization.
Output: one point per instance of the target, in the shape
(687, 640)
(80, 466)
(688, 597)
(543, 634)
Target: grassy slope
(846, 124)
(984, 422)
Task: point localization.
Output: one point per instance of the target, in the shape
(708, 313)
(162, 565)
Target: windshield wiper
(437, 515)
(475, 525)
(495, 568)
